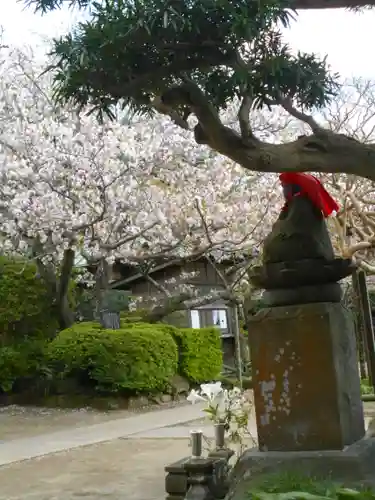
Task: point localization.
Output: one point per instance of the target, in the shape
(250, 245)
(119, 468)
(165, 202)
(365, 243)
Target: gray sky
(346, 37)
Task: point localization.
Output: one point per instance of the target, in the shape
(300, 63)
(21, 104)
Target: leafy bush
(12, 367)
(131, 317)
(155, 327)
(130, 359)
(201, 356)
(200, 350)
(25, 304)
(22, 365)
(366, 388)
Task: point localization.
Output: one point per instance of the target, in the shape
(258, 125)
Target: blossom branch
(128, 239)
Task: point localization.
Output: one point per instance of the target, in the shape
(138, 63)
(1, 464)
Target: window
(195, 319)
(200, 318)
(219, 317)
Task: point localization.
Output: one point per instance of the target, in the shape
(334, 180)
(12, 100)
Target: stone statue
(298, 252)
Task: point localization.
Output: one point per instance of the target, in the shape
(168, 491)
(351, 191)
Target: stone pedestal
(305, 376)
(199, 478)
(176, 480)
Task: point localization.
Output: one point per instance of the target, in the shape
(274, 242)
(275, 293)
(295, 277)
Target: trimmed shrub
(131, 317)
(22, 365)
(25, 304)
(12, 367)
(155, 327)
(201, 355)
(131, 359)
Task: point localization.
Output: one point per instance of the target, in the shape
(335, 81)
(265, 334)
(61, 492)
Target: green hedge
(129, 359)
(25, 304)
(140, 357)
(201, 355)
(155, 327)
(21, 365)
(200, 350)
(132, 317)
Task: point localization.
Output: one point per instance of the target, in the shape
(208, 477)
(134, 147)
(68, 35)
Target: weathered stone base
(353, 467)
(307, 391)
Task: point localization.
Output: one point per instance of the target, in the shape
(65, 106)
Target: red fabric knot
(311, 187)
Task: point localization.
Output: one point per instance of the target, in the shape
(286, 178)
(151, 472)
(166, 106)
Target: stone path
(119, 459)
(117, 470)
(36, 446)
(25, 421)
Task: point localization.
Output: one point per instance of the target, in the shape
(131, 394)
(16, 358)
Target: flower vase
(196, 438)
(220, 436)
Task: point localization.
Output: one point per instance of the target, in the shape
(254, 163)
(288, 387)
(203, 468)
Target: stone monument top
(298, 252)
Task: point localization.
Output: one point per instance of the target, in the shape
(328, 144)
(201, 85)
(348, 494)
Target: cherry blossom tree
(116, 190)
(184, 59)
(353, 231)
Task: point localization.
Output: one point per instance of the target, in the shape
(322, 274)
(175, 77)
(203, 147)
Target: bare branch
(191, 96)
(219, 273)
(210, 298)
(128, 239)
(158, 286)
(370, 269)
(362, 245)
(309, 120)
(206, 230)
(162, 108)
(366, 220)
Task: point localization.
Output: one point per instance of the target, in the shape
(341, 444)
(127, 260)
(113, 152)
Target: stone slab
(305, 377)
(353, 466)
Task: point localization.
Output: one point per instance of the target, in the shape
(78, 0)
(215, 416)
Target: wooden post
(368, 327)
(237, 337)
(359, 327)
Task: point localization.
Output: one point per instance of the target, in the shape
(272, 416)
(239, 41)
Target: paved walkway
(162, 424)
(122, 469)
(137, 426)
(122, 459)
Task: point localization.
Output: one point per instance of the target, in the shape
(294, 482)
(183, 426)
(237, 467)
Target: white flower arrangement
(227, 408)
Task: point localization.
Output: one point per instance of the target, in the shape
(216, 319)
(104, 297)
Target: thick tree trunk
(322, 151)
(65, 313)
(58, 287)
(107, 307)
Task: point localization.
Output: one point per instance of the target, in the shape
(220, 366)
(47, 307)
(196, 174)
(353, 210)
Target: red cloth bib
(311, 187)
